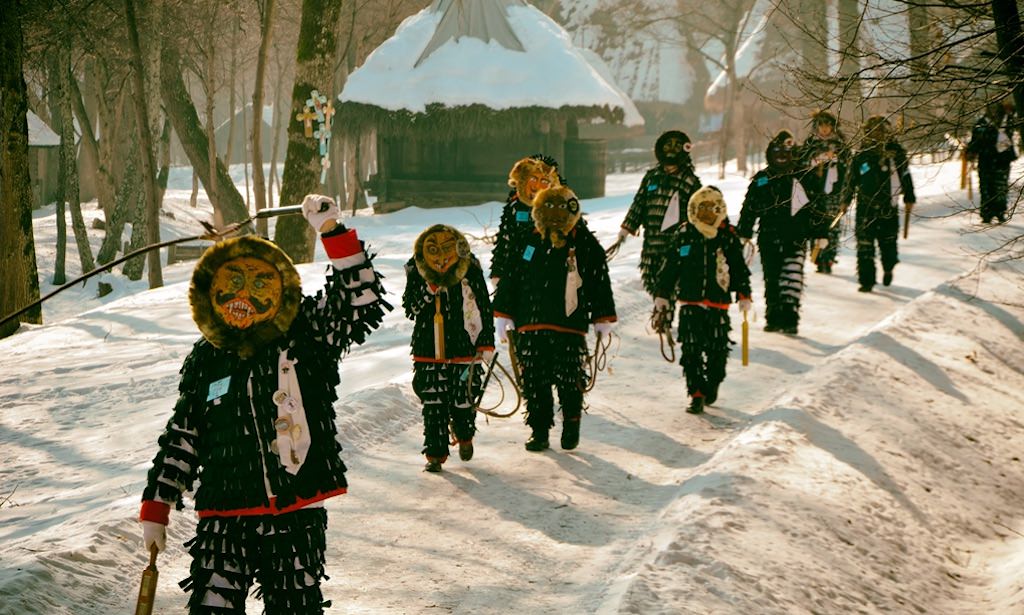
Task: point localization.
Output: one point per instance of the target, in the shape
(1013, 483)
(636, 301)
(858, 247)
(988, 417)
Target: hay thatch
(441, 121)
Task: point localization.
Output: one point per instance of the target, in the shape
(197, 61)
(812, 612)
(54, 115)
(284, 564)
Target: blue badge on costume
(684, 250)
(864, 168)
(762, 181)
(522, 216)
(218, 388)
(528, 253)
(652, 187)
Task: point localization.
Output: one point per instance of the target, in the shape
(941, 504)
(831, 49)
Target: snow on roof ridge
(486, 20)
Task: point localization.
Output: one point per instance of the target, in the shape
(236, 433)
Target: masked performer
(254, 420)
(777, 198)
(827, 157)
(702, 270)
(880, 172)
(558, 288)
(447, 298)
(527, 177)
(660, 203)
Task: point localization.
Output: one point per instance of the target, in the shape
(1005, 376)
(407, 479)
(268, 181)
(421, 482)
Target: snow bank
(913, 504)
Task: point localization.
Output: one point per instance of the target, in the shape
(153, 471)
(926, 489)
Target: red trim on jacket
(543, 327)
(273, 508)
(154, 511)
(706, 303)
(445, 360)
(340, 246)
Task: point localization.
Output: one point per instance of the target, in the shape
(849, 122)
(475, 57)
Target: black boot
(696, 405)
(712, 395)
(433, 464)
(538, 441)
(571, 433)
(887, 277)
(466, 450)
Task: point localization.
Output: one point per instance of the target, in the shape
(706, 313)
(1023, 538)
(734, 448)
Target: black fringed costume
(702, 274)
(828, 161)
(258, 519)
(878, 174)
(551, 345)
(991, 144)
(515, 219)
(781, 236)
(651, 202)
(447, 383)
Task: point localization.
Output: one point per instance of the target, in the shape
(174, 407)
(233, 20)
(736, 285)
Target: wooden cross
(325, 163)
(306, 117)
(317, 100)
(329, 114)
(323, 134)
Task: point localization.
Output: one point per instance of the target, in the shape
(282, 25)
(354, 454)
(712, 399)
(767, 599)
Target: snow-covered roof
(39, 134)
(463, 52)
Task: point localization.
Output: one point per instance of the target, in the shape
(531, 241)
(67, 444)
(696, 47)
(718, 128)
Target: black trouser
(551, 359)
(828, 209)
(447, 395)
(884, 232)
(993, 183)
(782, 263)
(703, 346)
(283, 553)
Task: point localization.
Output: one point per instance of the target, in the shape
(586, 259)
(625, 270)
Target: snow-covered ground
(869, 465)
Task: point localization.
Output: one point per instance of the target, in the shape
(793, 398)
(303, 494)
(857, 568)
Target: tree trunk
(20, 285)
(313, 70)
(152, 208)
(102, 181)
(258, 182)
(211, 135)
(849, 61)
(69, 161)
(229, 151)
(133, 267)
(178, 103)
(1008, 37)
(124, 203)
(164, 174)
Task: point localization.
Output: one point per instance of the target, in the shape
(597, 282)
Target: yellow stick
(147, 589)
(438, 329)
(746, 341)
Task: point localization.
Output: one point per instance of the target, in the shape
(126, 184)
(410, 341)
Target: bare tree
(20, 285)
(258, 181)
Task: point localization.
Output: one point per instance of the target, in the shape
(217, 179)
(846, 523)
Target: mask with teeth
(442, 255)
(244, 293)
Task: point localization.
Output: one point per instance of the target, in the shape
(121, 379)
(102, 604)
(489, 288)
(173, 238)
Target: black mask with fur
(222, 335)
(780, 154)
(454, 274)
(676, 159)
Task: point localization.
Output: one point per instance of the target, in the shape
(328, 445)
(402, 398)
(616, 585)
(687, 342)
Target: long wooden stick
(210, 235)
(746, 341)
(147, 588)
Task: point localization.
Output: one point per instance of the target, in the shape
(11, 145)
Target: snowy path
(593, 530)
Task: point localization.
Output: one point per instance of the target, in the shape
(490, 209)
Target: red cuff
(340, 246)
(741, 296)
(157, 512)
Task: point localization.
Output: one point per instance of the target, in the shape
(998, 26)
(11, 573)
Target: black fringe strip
(551, 359)
(704, 345)
(443, 389)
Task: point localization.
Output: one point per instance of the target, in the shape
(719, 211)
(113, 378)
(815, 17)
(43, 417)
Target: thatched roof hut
(463, 89)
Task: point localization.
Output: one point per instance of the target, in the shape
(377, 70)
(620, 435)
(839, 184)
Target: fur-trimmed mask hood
(244, 294)
(531, 175)
(673, 149)
(781, 154)
(555, 213)
(442, 255)
(706, 211)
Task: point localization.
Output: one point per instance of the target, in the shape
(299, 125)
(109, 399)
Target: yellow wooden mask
(245, 291)
(441, 250)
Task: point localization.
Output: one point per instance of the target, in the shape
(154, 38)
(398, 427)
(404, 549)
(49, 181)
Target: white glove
(745, 305)
(319, 210)
(502, 326)
(624, 234)
(153, 532)
(746, 241)
(660, 303)
(821, 242)
(603, 329)
(486, 356)
(494, 282)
